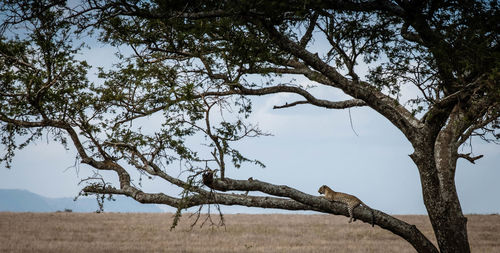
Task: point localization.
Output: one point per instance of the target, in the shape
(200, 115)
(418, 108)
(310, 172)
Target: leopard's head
(322, 189)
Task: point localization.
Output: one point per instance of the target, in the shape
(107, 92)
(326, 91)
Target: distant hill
(26, 201)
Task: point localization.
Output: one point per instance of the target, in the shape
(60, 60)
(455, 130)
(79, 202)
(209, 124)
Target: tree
(191, 59)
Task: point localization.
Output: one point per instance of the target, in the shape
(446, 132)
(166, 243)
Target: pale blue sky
(310, 147)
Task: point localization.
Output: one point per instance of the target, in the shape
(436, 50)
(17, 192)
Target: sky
(309, 147)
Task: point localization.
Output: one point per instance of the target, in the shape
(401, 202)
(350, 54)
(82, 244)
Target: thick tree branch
(308, 96)
(22, 123)
(298, 69)
(202, 199)
(401, 228)
(241, 90)
(406, 34)
(380, 102)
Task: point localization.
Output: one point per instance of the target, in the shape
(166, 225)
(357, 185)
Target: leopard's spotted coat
(350, 200)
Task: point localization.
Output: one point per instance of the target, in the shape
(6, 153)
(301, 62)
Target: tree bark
(436, 159)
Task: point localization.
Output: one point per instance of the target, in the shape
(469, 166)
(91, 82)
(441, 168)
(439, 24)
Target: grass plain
(127, 232)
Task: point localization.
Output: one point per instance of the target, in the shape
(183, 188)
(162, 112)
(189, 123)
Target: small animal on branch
(350, 200)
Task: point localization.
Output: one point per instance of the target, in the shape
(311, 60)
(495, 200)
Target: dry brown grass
(115, 232)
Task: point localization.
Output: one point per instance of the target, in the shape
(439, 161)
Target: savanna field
(126, 232)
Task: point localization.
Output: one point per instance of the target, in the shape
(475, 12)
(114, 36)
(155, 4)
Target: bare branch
(218, 148)
(348, 61)
(469, 158)
(326, 104)
(286, 105)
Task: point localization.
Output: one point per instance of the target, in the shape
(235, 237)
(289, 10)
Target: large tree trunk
(436, 159)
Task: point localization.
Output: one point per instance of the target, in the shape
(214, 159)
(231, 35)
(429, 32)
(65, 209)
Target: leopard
(350, 200)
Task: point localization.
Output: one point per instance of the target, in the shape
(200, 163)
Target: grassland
(123, 232)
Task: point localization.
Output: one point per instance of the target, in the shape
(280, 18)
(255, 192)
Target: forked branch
(470, 158)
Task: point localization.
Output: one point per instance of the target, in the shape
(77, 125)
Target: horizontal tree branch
(201, 199)
(23, 123)
(286, 105)
(470, 158)
(328, 104)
